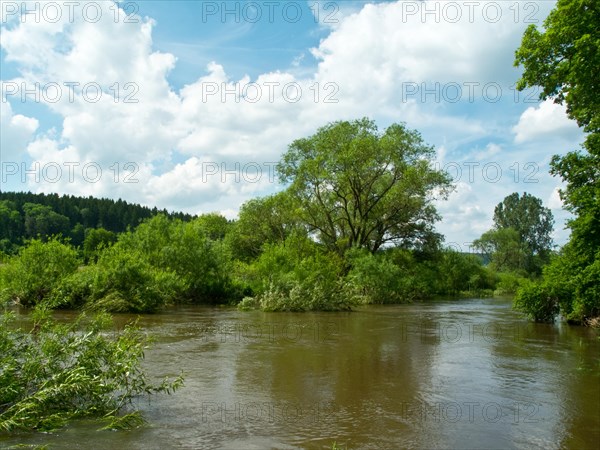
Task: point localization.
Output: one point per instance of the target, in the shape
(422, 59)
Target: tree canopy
(359, 187)
(521, 239)
(564, 60)
(264, 220)
(504, 249)
(25, 215)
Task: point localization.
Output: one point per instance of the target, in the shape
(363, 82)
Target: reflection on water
(461, 374)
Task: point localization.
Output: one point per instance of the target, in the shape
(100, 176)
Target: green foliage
(263, 220)
(74, 290)
(30, 277)
(458, 272)
(580, 260)
(564, 59)
(533, 223)
(41, 221)
(575, 285)
(536, 300)
(380, 280)
(301, 275)
(77, 235)
(569, 286)
(163, 261)
(10, 222)
(509, 283)
(8, 248)
(560, 279)
(23, 214)
(54, 373)
(121, 281)
(358, 187)
(504, 249)
(586, 304)
(397, 275)
(213, 225)
(297, 275)
(125, 281)
(581, 197)
(202, 264)
(521, 240)
(95, 240)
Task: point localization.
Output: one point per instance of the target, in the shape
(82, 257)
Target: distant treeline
(24, 215)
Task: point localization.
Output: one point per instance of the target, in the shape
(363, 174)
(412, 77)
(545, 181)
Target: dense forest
(24, 215)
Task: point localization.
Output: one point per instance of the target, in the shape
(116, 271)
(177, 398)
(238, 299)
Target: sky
(188, 105)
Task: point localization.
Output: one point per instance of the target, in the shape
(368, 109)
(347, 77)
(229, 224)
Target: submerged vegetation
(54, 373)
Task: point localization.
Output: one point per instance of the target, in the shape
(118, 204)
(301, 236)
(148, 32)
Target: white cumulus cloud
(547, 121)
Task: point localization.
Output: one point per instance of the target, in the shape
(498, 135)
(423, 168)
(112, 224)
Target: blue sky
(186, 105)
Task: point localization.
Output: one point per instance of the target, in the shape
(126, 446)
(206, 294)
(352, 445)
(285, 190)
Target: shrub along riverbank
(53, 373)
(166, 261)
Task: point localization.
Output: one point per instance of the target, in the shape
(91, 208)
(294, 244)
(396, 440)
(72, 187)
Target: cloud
(554, 201)
(387, 43)
(16, 131)
(463, 217)
(367, 61)
(548, 121)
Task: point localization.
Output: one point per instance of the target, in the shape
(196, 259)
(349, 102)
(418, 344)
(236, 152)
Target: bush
(536, 300)
(203, 265)
(55, 373)
(586, 304)
(74, 290)
(573, 282)
(95, 240)
(380, 280)
(163, 261)
(124, 281)
(304, 296)
(121, 281)
(298, 275)
(397, 276)
(459, 272)
(29, 278)
(509, 283)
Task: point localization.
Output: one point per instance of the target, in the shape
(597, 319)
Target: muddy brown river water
(446, 374)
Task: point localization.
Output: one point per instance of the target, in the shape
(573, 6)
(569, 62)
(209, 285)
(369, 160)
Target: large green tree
(504, 249)
(532, 221)
(564, 59)
(359, 187)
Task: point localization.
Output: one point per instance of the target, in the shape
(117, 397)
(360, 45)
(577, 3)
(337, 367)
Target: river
(446, 374)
